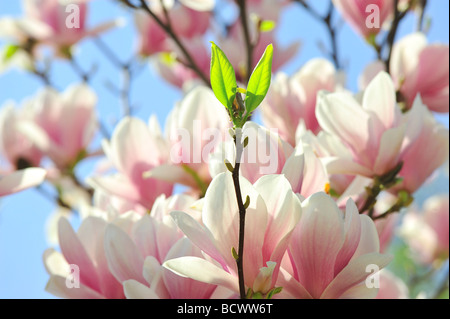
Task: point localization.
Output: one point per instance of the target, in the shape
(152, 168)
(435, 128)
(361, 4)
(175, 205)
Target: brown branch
(327, 22)
(398, 16)
(242, 211)
(248, 42)
(169, 31)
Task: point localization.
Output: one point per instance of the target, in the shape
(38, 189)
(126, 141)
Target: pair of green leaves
(224, 86)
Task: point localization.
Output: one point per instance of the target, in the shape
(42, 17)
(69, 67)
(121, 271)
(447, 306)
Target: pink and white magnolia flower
(265, 153)
(426, 232)
(331, 251)
(421, 68)
(374, 130)
(266, 9)
(172, 66)
(292, 100)
(15, 147)
(23, 34)
(391, 287)
(187, 24)
(20, 180)
(151, 37)
(193, 129)
(327, 148)
(365, 16)
(81, 262)
(136, 248)
(433, 139)
(135, 148)
(416, 68)
(270, 218)
(66, 21)
(63, 124)
(305, 172)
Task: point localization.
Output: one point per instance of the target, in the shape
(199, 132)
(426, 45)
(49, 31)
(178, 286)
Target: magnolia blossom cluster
(323, 177)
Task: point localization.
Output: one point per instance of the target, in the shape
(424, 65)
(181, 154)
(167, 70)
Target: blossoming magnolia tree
(314, 199)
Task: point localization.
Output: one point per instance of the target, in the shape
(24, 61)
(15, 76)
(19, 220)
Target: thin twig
(248, 42)
(127, 74)
(79, 70)
(50, 197)
(398, 16)
(169, 31)
(242, 211)
(327, 22)
(422, 6)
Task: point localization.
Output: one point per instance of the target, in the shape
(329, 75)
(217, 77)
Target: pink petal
(124, 260)
(316, 242)
(75, 253)
(354, 273)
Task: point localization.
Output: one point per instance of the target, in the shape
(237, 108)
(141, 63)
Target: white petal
(22, 179)
(135, 290)
(202, 270)
(379, 98)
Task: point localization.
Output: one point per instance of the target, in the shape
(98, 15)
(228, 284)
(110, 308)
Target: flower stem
(242, 210)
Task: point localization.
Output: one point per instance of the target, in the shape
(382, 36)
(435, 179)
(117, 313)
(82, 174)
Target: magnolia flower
(327, 147)
(305, 171)
(62, 125)
(20, 151)
(189, 23)
(265, 153)
(374, 130)
(332, 252)
(80, 270)
(391, 287)
(270, 218)
(136, 248)
(433, 139)
(194, 128)
(292, 100)
(173, 66)
(22, 35)
(21, 180)
(421, 68)
(365, 16)
(152, 38)
(265, 9)
(427, 233)
(65, 20)
(135, 148)
(186, 23)
(412, 61)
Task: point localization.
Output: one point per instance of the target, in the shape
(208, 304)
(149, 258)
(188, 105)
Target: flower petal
(124, 260)
(316, 242)
(20, 180)
(202, 270)
(354, 273)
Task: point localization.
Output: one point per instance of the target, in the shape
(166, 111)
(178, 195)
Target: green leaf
(223, 78)
(259, 82)
(273, 292)
(234, 253)
(9, 52)
(267, 25)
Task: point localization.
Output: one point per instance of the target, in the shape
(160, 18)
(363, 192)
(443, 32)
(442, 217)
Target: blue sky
(23, 216)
